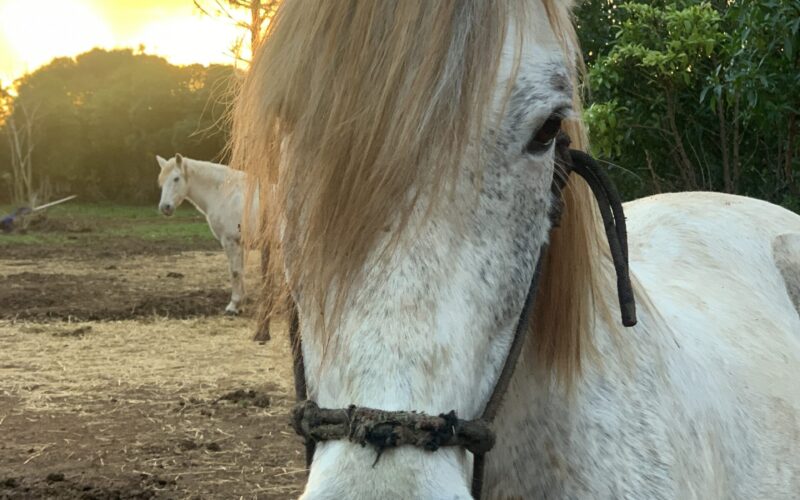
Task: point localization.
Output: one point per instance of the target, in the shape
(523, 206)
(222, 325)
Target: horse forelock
(165, 172)
(359, 117)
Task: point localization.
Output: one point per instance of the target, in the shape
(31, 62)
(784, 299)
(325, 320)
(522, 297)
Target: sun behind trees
(253, 24)
(102, 117)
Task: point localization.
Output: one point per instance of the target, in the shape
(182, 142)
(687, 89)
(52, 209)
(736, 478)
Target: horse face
(432, 334)
(174, 184)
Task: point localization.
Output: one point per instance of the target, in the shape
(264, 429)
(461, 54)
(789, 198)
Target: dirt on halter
(122, 379)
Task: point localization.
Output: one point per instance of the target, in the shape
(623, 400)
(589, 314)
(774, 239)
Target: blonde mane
(358, 112)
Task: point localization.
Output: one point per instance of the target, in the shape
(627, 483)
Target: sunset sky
(34, 32)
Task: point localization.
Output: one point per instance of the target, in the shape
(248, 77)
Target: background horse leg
(265, 306)
(235, 261)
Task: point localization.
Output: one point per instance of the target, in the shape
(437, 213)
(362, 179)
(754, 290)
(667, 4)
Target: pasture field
(119, 375)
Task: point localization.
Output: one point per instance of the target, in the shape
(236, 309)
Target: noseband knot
(389, 429)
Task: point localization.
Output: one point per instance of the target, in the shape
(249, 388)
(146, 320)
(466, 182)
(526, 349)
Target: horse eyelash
(534, 147)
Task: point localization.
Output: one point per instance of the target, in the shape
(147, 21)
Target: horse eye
(544, 137)
(177, 179)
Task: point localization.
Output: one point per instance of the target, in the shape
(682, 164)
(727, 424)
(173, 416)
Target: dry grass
(84, 361)
(135, 406)
(150, 406)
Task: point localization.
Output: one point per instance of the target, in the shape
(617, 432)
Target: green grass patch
(34, 239)
(74, 223)
(91, 211)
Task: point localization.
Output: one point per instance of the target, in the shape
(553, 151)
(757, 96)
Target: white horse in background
(412, 146)
(217, 191)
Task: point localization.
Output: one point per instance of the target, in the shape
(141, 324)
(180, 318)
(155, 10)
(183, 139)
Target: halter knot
(383, 429)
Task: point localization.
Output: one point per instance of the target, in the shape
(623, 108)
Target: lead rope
(610, 205)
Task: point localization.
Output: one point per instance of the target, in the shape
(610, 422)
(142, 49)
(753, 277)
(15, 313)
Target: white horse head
(420, 163)
(411, 149)
(173, 179)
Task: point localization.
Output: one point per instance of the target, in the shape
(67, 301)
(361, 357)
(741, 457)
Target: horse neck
(547, 426)
(205, 182)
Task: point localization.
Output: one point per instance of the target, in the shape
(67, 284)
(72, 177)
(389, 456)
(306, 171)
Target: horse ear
(161, 162)
(180, 163)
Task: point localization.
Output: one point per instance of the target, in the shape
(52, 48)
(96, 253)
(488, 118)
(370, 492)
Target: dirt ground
(121, 379)
(115, 287)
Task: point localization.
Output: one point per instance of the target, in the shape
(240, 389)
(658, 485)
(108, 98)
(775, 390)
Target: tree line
(680, 95)
(695, 95)
(92, 125)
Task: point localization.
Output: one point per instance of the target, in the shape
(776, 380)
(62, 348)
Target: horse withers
(218, 193)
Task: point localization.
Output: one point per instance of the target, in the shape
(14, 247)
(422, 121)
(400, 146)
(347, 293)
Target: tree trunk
(20, 140)
(256, 22)
(789, 156)
(653, 174)
(723, 140)
(737, 142)
(685, 164)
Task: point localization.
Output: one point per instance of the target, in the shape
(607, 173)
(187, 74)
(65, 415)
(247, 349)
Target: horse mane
(359, 113)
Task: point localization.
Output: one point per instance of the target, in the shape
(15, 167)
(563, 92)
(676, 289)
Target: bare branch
(261, 11)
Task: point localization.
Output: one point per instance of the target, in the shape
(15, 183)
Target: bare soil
(32, 295)
(114, 285)
(83, 247)
(121, 379)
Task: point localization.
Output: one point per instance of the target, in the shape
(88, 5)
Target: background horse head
(411, 146)
(174, 183)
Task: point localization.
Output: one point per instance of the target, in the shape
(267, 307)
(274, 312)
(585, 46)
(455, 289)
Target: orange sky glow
(32, 33)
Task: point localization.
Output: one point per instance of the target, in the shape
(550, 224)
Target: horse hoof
(232, 312)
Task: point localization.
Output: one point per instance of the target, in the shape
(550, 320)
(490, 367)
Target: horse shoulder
(223, 225)
(225, 215)
(786, 252)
